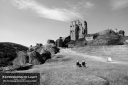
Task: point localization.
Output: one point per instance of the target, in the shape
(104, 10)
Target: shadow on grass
(59, 58)
(24, 68)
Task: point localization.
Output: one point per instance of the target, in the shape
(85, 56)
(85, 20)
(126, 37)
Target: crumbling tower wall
(74, 31)
(77, 31)
(85, 28)
(81, 30)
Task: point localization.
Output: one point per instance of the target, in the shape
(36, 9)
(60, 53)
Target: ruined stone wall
(72, 30)
(77, 31)
(85, 28)
(81, 30)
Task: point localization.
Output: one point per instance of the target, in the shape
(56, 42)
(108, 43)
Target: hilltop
(106, 37)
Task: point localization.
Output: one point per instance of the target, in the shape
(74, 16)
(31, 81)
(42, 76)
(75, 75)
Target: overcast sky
(35, 21)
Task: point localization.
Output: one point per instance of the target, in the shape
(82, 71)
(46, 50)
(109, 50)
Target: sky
(28, 22)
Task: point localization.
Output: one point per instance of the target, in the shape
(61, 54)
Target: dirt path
(96, 58)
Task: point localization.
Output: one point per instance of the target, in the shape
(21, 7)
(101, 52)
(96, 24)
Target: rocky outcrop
(34, 58)
(45, 55)
(21, 59)
(51, 49)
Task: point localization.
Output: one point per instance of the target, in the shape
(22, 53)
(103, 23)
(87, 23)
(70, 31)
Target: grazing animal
(78, 64)
(83, 64)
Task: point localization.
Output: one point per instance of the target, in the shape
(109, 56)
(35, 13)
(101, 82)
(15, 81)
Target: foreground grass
(61, 70)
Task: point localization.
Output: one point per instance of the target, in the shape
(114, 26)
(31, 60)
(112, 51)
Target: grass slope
(117, 52)
(100, 39)
(61, 70)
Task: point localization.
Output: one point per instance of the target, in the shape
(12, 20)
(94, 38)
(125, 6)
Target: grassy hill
(101, 40)
(106, 37)
(8, 52)
(62, 69)
(117, 52)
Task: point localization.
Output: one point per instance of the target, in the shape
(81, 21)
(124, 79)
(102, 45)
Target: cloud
(119, 4)
(60, 14)
(89, 5)
(82, 7)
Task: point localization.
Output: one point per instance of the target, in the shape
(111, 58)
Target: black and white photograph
(63, 42)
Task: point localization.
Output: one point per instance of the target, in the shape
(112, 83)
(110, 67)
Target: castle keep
(77, 31)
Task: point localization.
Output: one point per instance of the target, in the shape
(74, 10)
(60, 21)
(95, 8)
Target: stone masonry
(77, 31)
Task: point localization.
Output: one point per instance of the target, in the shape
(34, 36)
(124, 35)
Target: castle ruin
(77, 31)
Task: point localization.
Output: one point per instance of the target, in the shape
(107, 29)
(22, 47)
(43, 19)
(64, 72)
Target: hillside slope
(117, 52)
(8, 52)
(62, 70)
(106, 37)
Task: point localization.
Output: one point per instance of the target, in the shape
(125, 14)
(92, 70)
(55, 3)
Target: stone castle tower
(77, 31)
